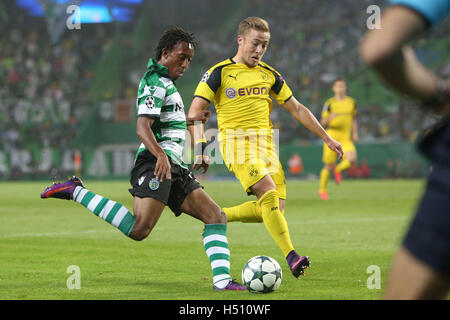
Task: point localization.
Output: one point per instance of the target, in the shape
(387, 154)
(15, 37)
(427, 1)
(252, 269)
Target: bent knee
(140, 233)
(282, 205)
(214, 216)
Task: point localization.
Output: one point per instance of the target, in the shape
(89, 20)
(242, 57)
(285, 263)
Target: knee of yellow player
(282, 205)
(269, 200)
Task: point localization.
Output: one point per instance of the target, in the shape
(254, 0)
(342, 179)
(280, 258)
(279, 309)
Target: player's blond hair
(253, 23)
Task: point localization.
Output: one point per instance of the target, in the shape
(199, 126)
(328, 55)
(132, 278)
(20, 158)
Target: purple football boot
(298, 264)
(62, 190)
(232, 286)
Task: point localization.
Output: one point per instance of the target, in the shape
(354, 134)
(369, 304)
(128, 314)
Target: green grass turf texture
(361, 225)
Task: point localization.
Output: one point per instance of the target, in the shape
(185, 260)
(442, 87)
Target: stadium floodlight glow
(34, 8)
(99, 14)
(92, 11)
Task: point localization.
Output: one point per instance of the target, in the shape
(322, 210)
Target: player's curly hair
(171, 37)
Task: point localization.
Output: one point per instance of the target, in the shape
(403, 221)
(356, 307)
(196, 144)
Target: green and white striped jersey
(158, 98)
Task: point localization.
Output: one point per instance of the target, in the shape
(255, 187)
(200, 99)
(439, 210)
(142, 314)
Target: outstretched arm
(355, 136)
(306, 118)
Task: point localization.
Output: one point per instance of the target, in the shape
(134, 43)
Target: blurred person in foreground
(339, 115)
(160, 177)
(241, 88)
(421, 267)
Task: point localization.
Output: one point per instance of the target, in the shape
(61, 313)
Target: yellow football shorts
(251, 159)
(329, 156)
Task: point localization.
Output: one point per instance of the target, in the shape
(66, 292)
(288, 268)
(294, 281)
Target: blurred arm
(384, 50)
(355, 136)
(324, 121)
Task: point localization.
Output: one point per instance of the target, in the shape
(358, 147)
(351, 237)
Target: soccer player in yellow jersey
(241, 89)
(339, 116)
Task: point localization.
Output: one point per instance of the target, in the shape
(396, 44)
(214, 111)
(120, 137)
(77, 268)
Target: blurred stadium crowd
(41, 98)
(48, 88)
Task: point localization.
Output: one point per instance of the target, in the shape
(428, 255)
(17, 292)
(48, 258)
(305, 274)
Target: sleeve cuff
(202, 98)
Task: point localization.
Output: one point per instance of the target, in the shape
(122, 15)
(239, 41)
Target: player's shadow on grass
(165, 289)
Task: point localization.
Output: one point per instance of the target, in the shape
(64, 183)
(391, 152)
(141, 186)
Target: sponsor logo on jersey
(141, 179)
(178, 107)
(253, 172)
(230, 93)
(253, 91)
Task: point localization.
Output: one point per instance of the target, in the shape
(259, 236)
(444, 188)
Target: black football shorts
(171, 192)
(428, 237)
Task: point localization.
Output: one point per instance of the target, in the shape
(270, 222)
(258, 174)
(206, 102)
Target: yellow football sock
(247, 212)
(274, 221)
(344, 165)
(324, 177)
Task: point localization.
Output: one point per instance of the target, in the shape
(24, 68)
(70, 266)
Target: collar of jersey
(159, 68)
(243, 64)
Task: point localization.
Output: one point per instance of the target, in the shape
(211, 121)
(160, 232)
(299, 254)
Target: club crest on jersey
(230, 93)
(264, 76)
(153, 184)
(253, 172)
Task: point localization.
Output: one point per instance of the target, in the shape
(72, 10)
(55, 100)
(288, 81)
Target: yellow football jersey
(241, 94)
(340, 127)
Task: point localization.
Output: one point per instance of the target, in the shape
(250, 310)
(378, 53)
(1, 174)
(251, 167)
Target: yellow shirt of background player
(340, 128)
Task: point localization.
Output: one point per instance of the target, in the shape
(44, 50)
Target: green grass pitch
(360, 226)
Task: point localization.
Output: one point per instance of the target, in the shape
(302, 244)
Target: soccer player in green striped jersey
(160, 177)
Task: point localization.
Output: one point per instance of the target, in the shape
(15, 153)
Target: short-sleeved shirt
(241, 94)
(432, 10)
(158, 98)
(341, 126)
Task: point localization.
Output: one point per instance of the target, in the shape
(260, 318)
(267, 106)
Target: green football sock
(108, 210)
(216, 246)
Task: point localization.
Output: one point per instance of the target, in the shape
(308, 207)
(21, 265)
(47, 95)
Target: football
(261, 274)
